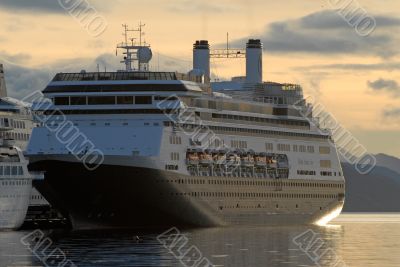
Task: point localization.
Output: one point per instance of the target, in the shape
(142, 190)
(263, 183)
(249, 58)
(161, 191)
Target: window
(217, 142)
(283, 147)
(81, 100)
(305, 172)
(295, 148)
(14, 170)
(325, 164)
(125, 100)
(143, 100)
(175, 140)
(7, 170)
(174, 156)
(324, 150)
(61, 101)
(165, 98)
(302, 148)
(20, 170)
(269, 146)
(171, 167)
(238, 144)
(280, 111)
(101, 100)
(310, 149)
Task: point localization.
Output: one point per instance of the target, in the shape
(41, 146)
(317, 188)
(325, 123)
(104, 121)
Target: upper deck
(125, 82)
(124, 76)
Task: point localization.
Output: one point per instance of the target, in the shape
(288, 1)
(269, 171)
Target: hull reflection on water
(359, 240)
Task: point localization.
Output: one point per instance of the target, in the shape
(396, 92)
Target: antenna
(227, 43)
(125, 34)
(141, 32)
(140, 55)
(228, 52)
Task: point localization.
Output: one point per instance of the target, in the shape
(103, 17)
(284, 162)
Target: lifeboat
(205, 157)
(271, 161)
(260, 159)
(247, 159)
(232, 159)
(220, 157)
(282, 162)
(192, 157)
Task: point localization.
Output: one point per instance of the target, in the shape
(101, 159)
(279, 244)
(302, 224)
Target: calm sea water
(351, 240)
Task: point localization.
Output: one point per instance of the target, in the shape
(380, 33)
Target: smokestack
(201, 57)
(254, 61)
(3, 89)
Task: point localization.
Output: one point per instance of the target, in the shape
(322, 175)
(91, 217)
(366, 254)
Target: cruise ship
(140, 148)
(15, 181)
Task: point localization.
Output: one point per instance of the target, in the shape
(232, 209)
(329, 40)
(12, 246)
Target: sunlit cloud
(47, 6)
(326, 33)
(190, 7)
(391, 66)
(392, 114)
(386, 86)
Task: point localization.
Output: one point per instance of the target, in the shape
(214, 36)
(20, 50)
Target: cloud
(48, 6)
(32, 5)
(388, 86)
(391, 114)
(14, 58)
(189, 6)
(392, 66)
(22, 81)
(326, 33)
(328, 19)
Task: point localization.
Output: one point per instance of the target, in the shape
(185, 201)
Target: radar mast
(136, 57)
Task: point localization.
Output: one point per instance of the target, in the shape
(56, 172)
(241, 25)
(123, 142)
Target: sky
(354, 77)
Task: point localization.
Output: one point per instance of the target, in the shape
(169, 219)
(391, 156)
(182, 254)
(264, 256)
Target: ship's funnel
(254, 61)
(201, 57)
(3, 89)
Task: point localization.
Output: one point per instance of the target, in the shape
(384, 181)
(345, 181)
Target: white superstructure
(15, 180)
(15, 187)
(173, 152)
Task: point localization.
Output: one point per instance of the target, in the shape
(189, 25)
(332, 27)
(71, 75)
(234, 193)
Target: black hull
(110, 197)
(131, 197)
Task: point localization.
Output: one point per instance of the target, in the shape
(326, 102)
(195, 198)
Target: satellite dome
(144, 54)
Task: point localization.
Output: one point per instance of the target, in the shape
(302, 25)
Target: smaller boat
(247, 159)
(192, 157)
(282, 161)
(220, 157)
(205, 157)
(232, 159)
(260, 160)
(271, 161)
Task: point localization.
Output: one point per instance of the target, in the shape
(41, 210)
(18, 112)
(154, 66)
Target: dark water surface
(351, 240)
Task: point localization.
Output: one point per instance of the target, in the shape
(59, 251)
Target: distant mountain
(389, 162)
(378, 191)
